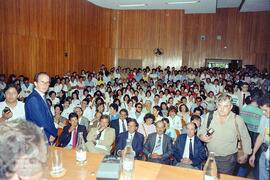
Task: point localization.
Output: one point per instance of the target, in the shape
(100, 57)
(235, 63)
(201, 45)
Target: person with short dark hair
(113, 111)
(81, 119)
(175, 121)
(70, 132)
(251, 115)
(11, 108)
(23, 153)
(242, 94)
(136, 138)
(120, 125)
(59, 121)
(138, 114)
(147, 127)
(263, 139)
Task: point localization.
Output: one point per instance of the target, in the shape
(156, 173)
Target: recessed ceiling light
(182, 2)
(132, 5)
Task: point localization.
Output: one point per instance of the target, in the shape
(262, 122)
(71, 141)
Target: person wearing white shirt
(57, 87)
(175, 121)
(11, 108)
(208, 85)
(55, 100)
(158, 146)
(67, 109)
(189, 151)
(120, 125)
(27, 88)
(215, 88)
(138, 114)
(87, 112)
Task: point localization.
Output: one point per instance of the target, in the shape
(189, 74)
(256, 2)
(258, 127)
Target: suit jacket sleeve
(169, 149)
(36, 114)
(109, 138)
(147, 146)
(120, 145)
(65, 137)
(115, 127)
(201, 154)
(139, 147)
(84, 130)
(177, 151)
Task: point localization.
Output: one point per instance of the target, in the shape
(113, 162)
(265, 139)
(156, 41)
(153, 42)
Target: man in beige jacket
(100, 139)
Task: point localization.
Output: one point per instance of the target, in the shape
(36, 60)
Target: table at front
(143, 170)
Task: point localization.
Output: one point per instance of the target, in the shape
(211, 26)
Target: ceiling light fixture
(132, 5)
(182, 2)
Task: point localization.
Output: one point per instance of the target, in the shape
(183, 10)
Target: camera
(210, 131)
(6, 109)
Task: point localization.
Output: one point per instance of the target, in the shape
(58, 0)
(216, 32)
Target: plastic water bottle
(210, 168)
(80, 150)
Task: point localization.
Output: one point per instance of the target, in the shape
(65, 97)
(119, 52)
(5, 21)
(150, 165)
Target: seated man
(136, 138)
(100, 139)
(69, 136)
(23, 153)
(120, 125)
(11, 108)
(196, 120)
(189, 151)
(158, 146)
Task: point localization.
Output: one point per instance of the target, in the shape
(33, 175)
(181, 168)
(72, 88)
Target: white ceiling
(203, 6)
(255, 5)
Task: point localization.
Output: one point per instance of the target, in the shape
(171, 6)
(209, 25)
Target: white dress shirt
(159, 150)
(18, 111)
(69, 145)
(186, 151)
(121, 125)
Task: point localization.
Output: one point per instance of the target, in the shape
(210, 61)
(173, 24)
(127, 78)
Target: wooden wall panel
(246, 36)
(35, 34)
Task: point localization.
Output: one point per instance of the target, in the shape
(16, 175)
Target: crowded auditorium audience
(166, 113)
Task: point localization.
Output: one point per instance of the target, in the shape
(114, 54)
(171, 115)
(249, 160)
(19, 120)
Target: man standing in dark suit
(120, 125)
(37, 109)
(136, 138)
(189, 151)
(70, 132)
(158, 146)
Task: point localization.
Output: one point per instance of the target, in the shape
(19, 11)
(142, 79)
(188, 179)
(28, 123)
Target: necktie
(190, 149)
(99, 135)
(244, 98)
(158, 145)
(123, 126)
(74, 138)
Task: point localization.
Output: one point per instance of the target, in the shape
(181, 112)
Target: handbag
(240, 151)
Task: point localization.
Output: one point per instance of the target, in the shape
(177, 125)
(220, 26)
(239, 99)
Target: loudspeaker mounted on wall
(203, 37)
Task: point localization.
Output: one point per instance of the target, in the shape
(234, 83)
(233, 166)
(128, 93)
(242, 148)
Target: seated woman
(169, 131)
(94, 123)
(184, 114)
(147, 127)
(59, 121)
(157, 113)
(69, 136)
